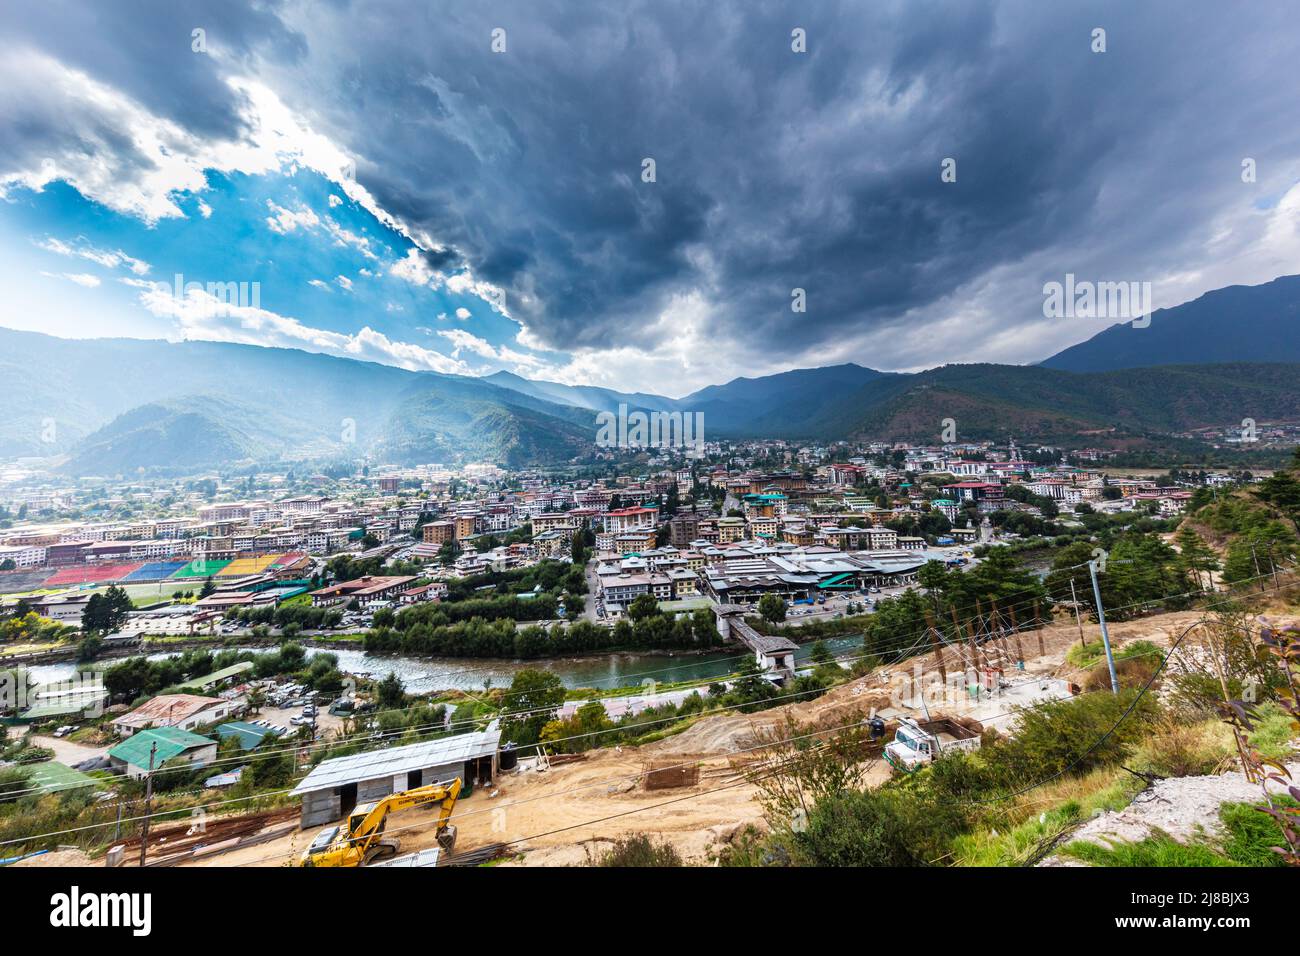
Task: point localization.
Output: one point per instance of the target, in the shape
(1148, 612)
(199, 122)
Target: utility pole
(1105, 635)
(1078, 619)
(148, 800)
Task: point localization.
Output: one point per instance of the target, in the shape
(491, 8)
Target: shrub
(1082, 656)
(640, 851)
(1177, 749)
(886, 827)
(1131, 672)
(1078, 734)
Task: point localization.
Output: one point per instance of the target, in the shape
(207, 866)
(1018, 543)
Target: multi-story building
(438, 532)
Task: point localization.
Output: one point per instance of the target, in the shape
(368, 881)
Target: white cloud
(674, 355)
(319, 284)
(344, 281)
(103, 257)
(462, 314)
(463, 341)
(412, 268)
(335, 201)
(285, 221)
(80, 278)
(205, 210)
(202, 316)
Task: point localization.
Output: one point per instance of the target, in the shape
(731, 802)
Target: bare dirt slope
(555, 817)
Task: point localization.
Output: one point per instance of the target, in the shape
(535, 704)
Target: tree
(643, 606)
(391, 692)
(750, 686)
(578, 548)
(533, 701)
(107, 612)
(89, 647)
(208, 587)
(821, 653)
(772, 608)
(1195, 557)
(448, 553)
(1282, 491)
(255, 699)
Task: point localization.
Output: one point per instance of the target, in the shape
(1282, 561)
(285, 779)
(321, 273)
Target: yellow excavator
(361, 839)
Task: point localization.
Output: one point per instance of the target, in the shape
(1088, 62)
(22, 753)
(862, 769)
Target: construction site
(693, 789)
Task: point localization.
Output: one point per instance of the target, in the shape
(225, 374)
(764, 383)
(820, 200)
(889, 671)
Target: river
(607, 672)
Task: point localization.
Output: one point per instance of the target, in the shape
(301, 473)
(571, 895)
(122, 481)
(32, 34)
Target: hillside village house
(179, 711)
(150, 749)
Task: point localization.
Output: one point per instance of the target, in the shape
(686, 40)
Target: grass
(1274, 734)
(1250, 833)
(1247, 834)
(1157, 850)
(1031, 824)
(1081, 655)
(631, 690)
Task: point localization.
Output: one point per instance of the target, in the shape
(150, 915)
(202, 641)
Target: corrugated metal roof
(218, 676)
(170, 740)
(395, 760)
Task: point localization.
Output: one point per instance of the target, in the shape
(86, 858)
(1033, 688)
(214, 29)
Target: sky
(464, 187)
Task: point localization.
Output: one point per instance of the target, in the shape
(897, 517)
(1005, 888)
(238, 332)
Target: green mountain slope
(993, 401)
(165, 436)
(1258, 323)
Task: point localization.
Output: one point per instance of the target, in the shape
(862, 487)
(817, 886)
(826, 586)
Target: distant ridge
(1240, 323)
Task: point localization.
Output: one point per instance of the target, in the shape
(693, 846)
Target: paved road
(593, 592)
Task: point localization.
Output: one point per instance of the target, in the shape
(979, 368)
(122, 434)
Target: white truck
(916, 744)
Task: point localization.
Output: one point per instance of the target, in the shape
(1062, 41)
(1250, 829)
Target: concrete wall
(323, 806)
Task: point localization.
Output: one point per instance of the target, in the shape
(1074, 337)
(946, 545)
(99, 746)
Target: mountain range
(122, 406)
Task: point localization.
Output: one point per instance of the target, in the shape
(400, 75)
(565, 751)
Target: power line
(1101, 740)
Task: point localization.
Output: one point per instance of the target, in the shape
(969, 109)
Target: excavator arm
(362, 837)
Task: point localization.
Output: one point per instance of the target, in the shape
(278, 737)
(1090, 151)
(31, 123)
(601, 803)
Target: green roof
(171, 742)
(216, 677)
(50, 776)
(685, 604)
(250, 735)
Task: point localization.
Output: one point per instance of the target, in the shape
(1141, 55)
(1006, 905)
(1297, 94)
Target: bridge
(774, 654)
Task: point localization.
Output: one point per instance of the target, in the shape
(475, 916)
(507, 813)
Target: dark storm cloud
(775, 170)
(145, 49)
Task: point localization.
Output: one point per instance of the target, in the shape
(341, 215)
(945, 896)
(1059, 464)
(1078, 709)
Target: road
(65, 751)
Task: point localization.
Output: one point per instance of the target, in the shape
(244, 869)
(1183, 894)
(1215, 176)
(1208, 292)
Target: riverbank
(421, 675)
